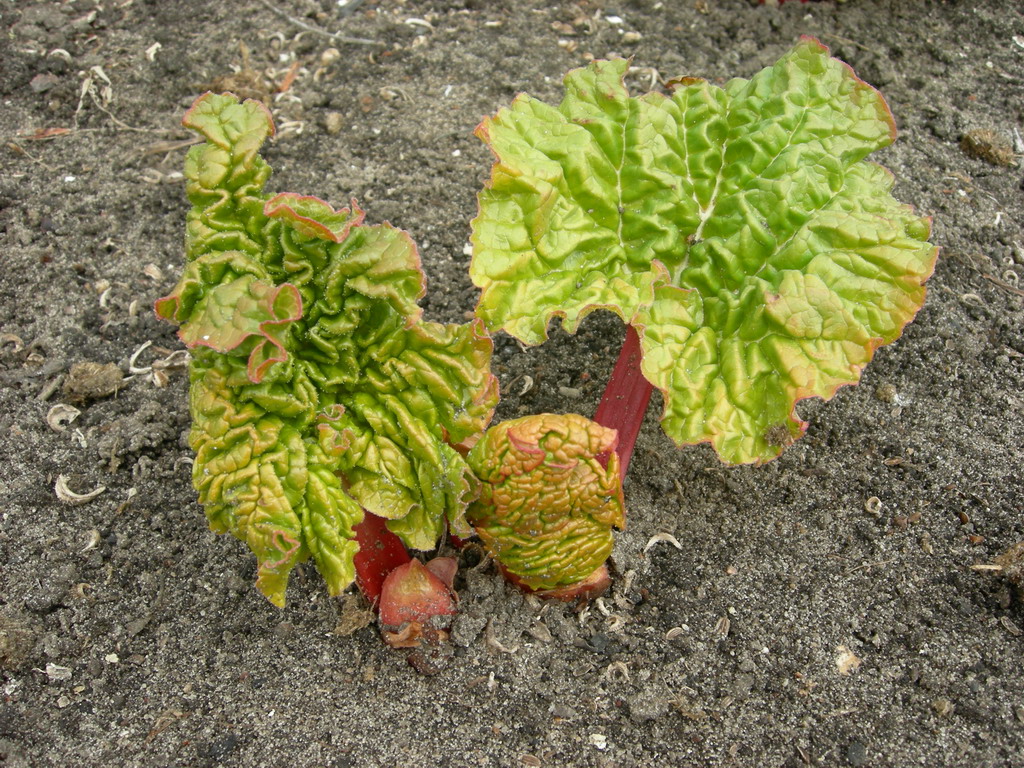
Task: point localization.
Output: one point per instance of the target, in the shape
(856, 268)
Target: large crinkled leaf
(413, 394)
(739, 229)
(554, 235)
(547, 505)
(317, 388)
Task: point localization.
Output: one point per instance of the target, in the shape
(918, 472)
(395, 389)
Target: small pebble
(43, 82)
(334, 122)
(856, 754)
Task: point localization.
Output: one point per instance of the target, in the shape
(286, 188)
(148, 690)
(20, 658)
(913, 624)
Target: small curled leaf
(244, 314)
(547, 503)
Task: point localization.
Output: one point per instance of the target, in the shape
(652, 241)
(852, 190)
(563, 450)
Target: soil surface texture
(824, 609)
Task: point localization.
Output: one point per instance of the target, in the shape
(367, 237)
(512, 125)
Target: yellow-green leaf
(547, 503)
(740, 229)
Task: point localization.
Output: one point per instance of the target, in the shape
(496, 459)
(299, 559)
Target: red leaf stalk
(380, 552)
(625, 399)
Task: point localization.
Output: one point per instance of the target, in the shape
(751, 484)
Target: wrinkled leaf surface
(739, 229)
(547, 503)
(317, 390)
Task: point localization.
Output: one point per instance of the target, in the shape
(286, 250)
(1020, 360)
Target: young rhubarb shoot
(739, 230)
(547, 504)
(417, 602)
(317, 390)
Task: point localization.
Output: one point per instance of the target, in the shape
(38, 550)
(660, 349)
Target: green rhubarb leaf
(740, 230)
(547, 505)
(416, 390)
(260, 479)
(313, 217)
(561, 229)
(244, 316)
(224, 176)
(317, 389)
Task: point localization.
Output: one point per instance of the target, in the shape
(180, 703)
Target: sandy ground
(823, 609)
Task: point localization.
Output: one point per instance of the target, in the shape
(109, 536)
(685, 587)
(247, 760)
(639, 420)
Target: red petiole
(380, 552)
(625, 399)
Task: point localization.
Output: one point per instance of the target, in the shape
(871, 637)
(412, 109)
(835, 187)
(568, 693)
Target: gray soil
(821, 610)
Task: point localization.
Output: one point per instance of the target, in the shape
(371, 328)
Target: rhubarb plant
(328, 417)
(739, 230)
(317, 389)
(755, 255)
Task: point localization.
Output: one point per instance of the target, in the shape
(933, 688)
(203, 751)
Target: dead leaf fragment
(846, 660)
(989, 146)
(495, 644)
(14, 340)
(413, 634)
(245, 82)
(1010, 627)
(92, 381)
(57, 672)
(659, 537)
(943, 707)
(41, 134)
(617, 671)
(873, 506)
(95, 539)
(1011, 563)
(352, 616)
(16, 643)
